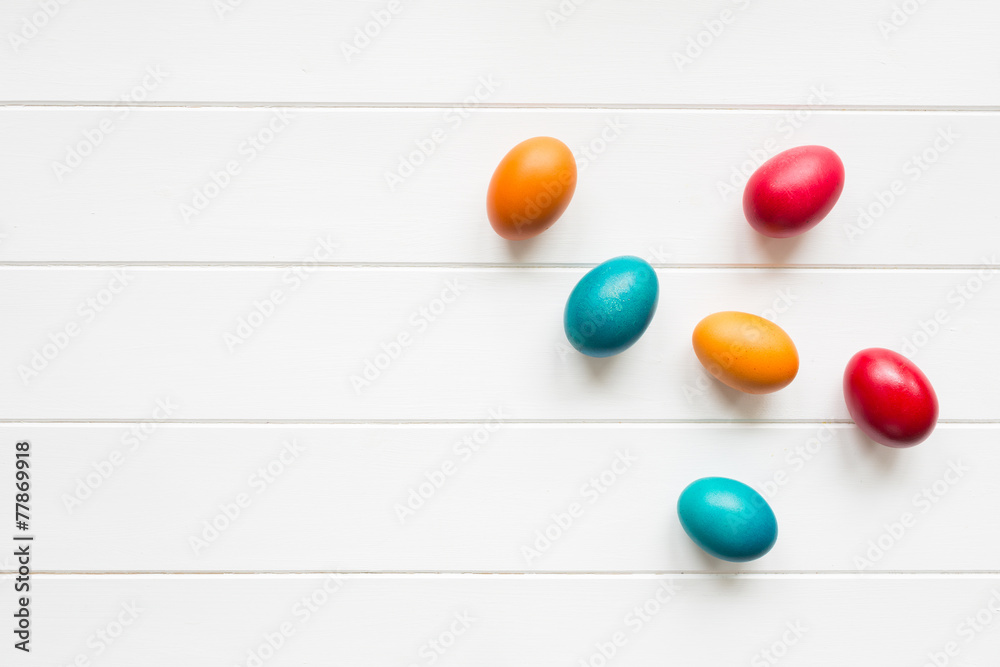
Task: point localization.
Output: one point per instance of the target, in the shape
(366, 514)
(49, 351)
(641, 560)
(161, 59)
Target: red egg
(790, 193)
(889, 398)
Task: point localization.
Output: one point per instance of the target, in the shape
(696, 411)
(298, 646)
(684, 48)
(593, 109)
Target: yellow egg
(746, 352)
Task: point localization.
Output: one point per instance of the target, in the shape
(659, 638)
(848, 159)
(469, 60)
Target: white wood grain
(666, 185)
(603, 53)
(499, 343)
(515, 620)
(114, 115)
(467, 497)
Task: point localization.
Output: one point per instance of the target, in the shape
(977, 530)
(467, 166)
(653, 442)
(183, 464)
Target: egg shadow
(738, 404)
(711, 564)
(519, 251)
(683, 547)
(733, 398)
(777, 251)
(883, 458)
(725, 574)
(598, 368)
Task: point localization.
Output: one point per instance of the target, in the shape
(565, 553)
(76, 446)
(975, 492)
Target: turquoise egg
(611, 306)
(728, 519)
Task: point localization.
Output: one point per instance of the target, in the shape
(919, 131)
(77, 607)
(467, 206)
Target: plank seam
(501, 106)
(497, 266)
(463, 422)
(467, 574)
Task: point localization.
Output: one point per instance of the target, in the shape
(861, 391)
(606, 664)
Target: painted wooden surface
(631, 52)
(291, 402)
(500, 620)
(392, 343)
(483, 497)
(408, 186)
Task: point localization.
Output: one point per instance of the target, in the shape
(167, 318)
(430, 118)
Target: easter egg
(790, 193)
(727, 519)
(889, 398)
(746, 352)
(611, 306)
(531, 187)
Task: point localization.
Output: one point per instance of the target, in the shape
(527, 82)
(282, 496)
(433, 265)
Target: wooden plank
(737, 52)
(415, 620)
(448, 344)
(220, 185)
(496, 496)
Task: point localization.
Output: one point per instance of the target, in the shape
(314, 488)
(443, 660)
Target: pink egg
(790, 193)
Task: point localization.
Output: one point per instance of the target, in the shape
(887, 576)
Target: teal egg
(611, 306)
(728, 519)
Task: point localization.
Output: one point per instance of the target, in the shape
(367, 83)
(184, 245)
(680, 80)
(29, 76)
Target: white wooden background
(172, 366)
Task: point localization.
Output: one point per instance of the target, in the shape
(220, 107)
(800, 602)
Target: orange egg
(746, 352)
(531, 188)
